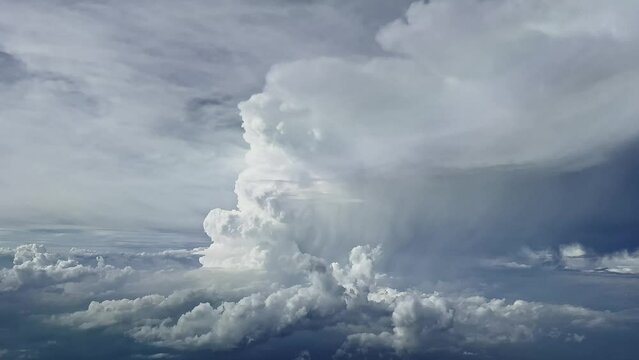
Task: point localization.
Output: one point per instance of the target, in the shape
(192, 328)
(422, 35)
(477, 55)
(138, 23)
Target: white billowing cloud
(358, 277)
(130, 312)
(47, 280)
(349, 298)
(111, 312)
(33, 266)
(256, 316)
(420, 321)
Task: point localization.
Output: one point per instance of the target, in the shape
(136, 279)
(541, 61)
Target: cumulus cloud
(33, 266)
(574, 250)
(47, 281)
(420, 322)
(257, 316)
(346, 298)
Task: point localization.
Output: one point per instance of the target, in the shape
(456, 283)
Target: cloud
(618, 262)
(349, 298)
(623, 262)
(419, 319)
(386, 150)
(33, 267)
(254, 317)
(573, 256)
(303, 355)
(572, 250)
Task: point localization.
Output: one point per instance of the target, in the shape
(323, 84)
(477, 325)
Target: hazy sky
(124, 114)
(435, 180)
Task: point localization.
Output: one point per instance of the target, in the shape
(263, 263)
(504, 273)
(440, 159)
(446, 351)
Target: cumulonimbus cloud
(466, 86)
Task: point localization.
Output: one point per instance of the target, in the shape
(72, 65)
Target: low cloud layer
(33, 266)
(350, 300)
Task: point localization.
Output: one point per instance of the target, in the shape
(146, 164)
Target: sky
(305, 179)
